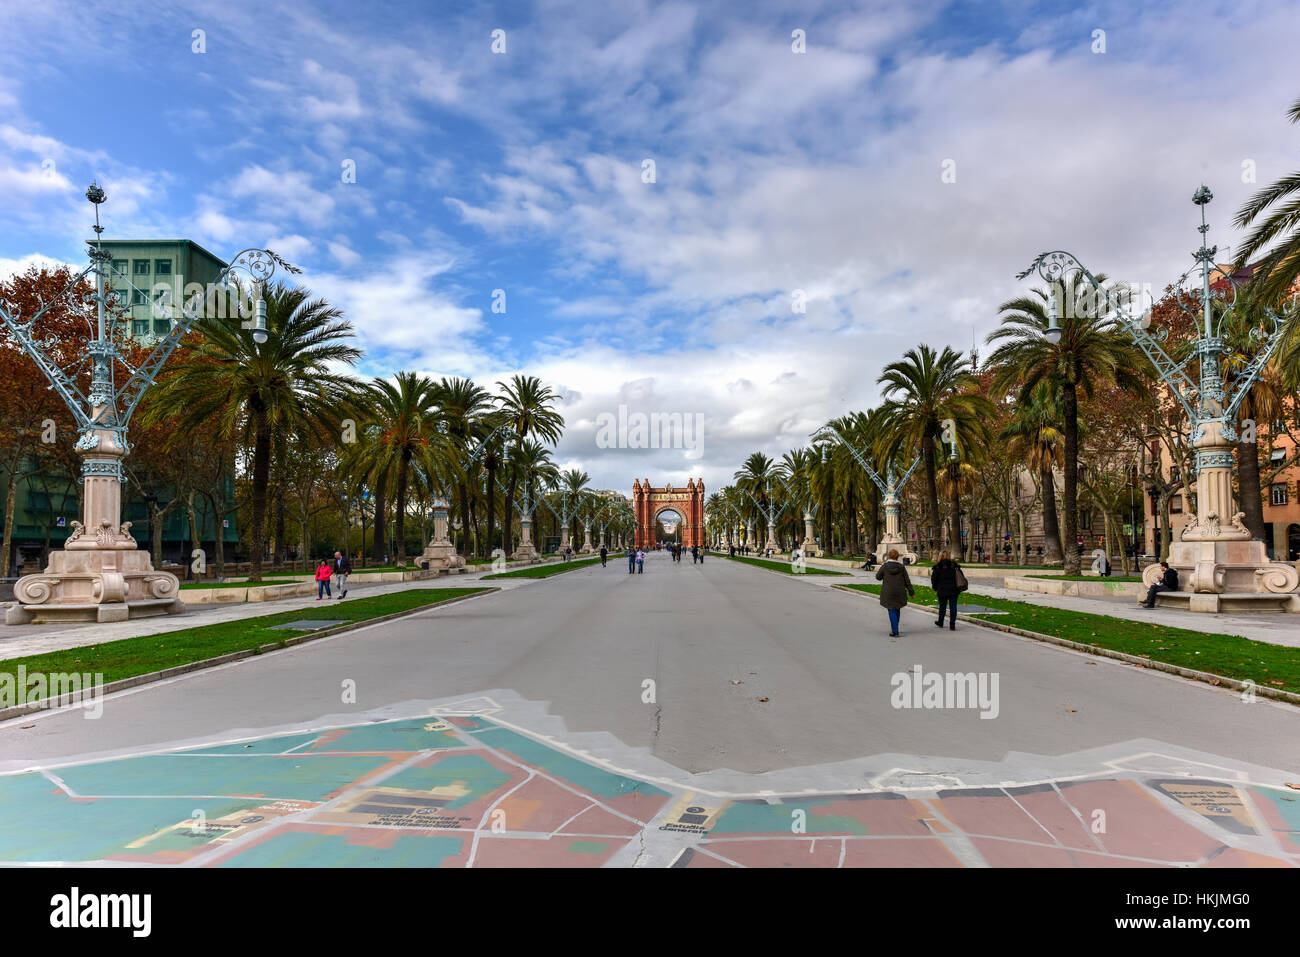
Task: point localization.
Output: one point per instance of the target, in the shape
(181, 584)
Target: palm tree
(409, 437)
(1034, 437)
(1092, 349)
(254, 390)
(921, 390)
(1276, 273)
(525, 404)
(467, 409)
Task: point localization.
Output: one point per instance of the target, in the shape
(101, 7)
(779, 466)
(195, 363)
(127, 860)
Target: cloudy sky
(685, 214)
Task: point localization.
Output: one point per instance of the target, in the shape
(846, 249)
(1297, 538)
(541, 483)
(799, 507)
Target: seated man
(1168, 582)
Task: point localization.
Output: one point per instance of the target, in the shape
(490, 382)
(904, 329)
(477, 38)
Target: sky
(729, 214)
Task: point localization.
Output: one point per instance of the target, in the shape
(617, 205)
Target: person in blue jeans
(894, 589)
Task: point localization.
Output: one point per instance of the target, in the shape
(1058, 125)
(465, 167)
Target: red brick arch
(688, 502)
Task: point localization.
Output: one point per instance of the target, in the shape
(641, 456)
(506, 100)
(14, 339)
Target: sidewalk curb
(123, 684)
(1207, 677)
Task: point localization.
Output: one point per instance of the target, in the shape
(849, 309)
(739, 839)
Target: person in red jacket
(323, 573)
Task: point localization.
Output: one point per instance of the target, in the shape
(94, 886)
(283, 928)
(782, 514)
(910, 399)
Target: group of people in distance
(636, 557)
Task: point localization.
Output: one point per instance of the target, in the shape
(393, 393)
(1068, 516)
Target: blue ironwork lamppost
(1219, 565)
(891, 488)
(100, 574)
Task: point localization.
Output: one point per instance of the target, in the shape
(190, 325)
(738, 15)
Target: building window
(140, 327)
(1277, 455)
(142, 267)
(1175, 474)
(139, 297)
(1176, 504)
(1277, 494)
(162, 267)
(119, 267)
(1085, 520)
(161, 327)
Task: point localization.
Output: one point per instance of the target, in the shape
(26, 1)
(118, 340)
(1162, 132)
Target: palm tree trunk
(954, 512)
(399, 530)
(1248, 492)
(261, 473)
(1070, 405)
(931, 488)
(381, 506)
(1052, 552)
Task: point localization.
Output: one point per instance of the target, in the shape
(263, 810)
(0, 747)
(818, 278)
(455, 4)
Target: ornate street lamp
(1219, 565)
(891, 489)
(101, 574)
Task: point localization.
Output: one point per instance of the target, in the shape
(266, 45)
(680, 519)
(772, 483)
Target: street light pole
(101, 574)
(1217, 560)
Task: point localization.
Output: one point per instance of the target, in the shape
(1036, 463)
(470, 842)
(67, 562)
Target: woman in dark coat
(943, 578)
(894, 589)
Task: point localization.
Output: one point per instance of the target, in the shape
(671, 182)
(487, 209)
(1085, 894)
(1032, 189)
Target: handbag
(962, 584)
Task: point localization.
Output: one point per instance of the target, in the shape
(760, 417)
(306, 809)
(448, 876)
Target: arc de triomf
(688, 502)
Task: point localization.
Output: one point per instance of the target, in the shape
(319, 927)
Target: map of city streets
(466, 790)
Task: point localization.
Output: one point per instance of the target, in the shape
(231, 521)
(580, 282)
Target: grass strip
(130, 657)
(544, 571)
(782, 566)
(1231, 656)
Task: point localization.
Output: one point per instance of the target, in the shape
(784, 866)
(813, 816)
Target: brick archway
(688, 502)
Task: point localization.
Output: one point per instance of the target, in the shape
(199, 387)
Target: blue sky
(777, 173)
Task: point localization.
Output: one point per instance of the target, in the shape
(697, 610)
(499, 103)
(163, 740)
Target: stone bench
(1230, 602)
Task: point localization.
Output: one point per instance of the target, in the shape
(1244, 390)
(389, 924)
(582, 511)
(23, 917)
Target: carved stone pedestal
(440, 553)
(99, 577)
(1221, 570)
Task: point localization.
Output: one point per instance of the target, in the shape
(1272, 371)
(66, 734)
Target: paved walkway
(715, 715)
(17, 641)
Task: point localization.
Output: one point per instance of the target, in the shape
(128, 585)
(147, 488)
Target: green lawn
(545, 571)
(1229, 655)
(782, 566)
(138, 656)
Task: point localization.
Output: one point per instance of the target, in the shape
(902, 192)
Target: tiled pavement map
(465, 790)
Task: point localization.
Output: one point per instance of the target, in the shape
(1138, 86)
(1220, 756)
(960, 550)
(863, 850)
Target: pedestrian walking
(1168, 582)
(948, 581)
(640, 561)
(603, 553)
(342, 568)
(894, 589)
(631, 560)
(323, 574)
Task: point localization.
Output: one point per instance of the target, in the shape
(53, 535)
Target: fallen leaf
(1293, 787)
(762, 699)
(735, 681)
(25, 726)
(1072, 709)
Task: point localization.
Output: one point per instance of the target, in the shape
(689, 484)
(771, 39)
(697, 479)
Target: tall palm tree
(921, 390)
(1277, 272)
(1092, 349)
(409, 437)
(253, 390)
(467, 409)
(526, 405)
(1035, 438)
